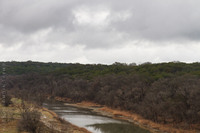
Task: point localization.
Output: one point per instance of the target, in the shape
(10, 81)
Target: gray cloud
(163, 20)
(149, 19)
(98, 24)
(30, 16)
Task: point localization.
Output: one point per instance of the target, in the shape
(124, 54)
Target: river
(92, 121)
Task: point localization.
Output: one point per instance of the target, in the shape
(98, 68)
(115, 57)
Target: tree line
(165, 93)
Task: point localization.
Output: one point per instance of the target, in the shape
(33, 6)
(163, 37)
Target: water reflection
(92, 121)
(117, 128)
(85, 120)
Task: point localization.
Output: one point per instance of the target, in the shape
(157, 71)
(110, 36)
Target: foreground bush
(30, 121)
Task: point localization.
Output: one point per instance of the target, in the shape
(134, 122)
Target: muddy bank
(131, 117)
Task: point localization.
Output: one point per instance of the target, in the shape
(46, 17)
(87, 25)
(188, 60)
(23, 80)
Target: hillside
(167, 93)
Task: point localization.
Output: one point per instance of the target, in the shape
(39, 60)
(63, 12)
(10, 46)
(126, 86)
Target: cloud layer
(99, 31)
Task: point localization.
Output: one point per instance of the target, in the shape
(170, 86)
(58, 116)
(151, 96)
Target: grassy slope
(48, 118)
(11, 125)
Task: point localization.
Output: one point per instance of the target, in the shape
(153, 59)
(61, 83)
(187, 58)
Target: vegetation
(14, 119)
(25, 117)
(165, 93)
(91, 71)
(18, 68)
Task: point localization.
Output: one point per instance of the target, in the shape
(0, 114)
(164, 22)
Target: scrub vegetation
(167, 93)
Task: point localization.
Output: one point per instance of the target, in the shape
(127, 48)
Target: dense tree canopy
(166, 92)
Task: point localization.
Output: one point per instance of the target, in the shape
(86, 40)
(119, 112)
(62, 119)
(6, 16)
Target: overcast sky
(100, 31)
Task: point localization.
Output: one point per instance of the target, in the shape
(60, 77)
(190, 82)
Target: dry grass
(9, 127)
(61, 99)
(84, 103)
(49, 119)
(9, 118)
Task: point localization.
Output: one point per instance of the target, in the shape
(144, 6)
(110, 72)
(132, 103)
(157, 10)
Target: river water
(92, 121)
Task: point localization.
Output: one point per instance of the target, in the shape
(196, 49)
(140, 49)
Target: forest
(167, 93)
